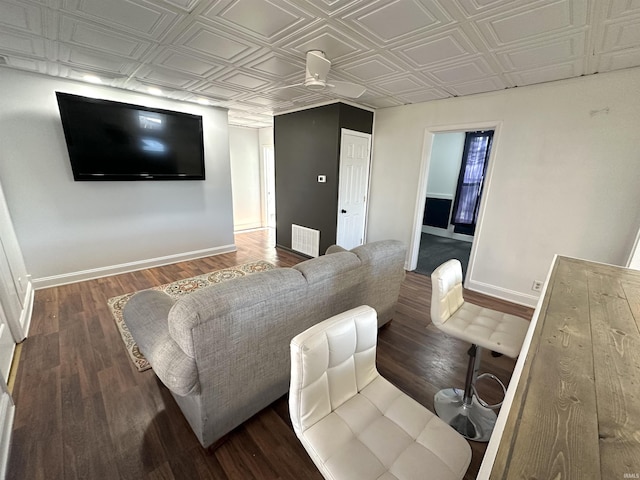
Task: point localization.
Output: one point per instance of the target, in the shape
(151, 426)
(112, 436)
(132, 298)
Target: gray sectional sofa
(223, 351)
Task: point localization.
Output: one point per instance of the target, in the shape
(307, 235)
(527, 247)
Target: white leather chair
(353, 423)
(500, 332)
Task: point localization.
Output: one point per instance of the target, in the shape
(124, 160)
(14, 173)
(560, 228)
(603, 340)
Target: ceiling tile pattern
(238, 54)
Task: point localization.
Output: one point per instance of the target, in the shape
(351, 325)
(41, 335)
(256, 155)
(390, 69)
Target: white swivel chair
(463, 409)
(353, 423)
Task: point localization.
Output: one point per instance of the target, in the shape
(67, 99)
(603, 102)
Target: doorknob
(343, 211)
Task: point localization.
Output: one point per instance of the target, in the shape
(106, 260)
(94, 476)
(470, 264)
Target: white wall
(444, 167)
(565, 175)
(245, 177)
(443, 172)
(73, 230)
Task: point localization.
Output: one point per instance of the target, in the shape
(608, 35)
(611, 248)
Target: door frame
(365, 213)
(429, 133)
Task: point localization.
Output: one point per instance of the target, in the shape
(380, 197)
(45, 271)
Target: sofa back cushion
(208, 310)
(382, 274)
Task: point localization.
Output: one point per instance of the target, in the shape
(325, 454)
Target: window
(477, 148)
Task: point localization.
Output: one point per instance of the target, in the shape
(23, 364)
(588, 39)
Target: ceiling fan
(315, 80)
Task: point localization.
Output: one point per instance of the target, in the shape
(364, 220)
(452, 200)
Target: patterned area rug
(176, 290)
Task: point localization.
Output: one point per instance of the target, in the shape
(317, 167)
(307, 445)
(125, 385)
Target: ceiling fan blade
(288, 86)
(347, 89)
(317, 65)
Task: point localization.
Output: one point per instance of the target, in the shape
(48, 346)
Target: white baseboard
(502, 293)
(81, 276)
(241, 227)
(446, 233)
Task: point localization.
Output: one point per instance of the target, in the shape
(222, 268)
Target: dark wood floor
(84, 411)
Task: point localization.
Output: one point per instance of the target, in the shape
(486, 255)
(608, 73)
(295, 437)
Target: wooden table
(572, 410)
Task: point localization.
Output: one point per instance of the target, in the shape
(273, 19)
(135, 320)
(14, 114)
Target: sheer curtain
(474, 162)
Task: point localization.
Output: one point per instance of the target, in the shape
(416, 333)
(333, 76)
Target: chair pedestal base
(473, 421)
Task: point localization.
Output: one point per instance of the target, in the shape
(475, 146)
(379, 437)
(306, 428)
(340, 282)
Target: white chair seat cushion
(382, 433)
(500, 332)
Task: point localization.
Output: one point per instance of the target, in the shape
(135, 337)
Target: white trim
(443, 196)
(503, 293)
(257, 229)
(73, 277)
(486, 189)
(447, 233)
(322, 104)
(635, 250)
(371, 154)
(247, 226)
(26, 314)
(421, 200)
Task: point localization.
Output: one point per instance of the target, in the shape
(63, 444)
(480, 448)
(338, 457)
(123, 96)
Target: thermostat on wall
(322, 179)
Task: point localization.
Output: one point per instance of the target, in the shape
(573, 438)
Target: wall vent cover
(305, 240)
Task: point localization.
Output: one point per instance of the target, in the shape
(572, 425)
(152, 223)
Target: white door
(16, 292)
(355, 157)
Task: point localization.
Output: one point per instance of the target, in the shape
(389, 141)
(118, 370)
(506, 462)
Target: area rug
(175, 290)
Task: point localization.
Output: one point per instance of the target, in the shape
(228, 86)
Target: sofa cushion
(146, 313)
(218, 301)
(327, 266)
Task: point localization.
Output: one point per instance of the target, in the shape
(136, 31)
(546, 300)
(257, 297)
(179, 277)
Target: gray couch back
(236, 334)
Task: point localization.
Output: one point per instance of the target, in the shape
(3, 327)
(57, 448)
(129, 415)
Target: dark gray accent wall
(307, 144)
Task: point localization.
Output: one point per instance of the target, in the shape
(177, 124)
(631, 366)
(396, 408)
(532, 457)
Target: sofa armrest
(146, 315)
(335, 249)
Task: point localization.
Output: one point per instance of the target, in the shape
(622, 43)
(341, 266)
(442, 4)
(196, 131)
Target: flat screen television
(117, 141)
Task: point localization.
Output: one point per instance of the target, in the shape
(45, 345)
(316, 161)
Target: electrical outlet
(537, 286)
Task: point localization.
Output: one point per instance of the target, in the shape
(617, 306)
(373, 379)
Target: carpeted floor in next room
(435, 250)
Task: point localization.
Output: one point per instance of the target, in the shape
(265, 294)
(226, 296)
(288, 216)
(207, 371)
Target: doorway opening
(268, 187)
(268, 191)
(454, 177)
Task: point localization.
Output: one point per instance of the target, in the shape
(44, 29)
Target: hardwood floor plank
(286, 454)
(35, 458)
(197, 464)
(45, 314)
(163, 472)
(86, 443)
(40, 405)
(82, 407)
(240, 448)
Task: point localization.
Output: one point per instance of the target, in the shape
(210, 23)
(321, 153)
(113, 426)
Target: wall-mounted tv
(118, 141)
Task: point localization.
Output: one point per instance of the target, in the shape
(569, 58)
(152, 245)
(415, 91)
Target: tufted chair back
(330, 363)
(446, 291)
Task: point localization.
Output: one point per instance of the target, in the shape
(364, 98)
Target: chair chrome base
(474, 422)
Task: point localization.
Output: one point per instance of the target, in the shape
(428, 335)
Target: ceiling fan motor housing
(314, 84)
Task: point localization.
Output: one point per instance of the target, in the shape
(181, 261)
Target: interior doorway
(268, 187)
(454, 179)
